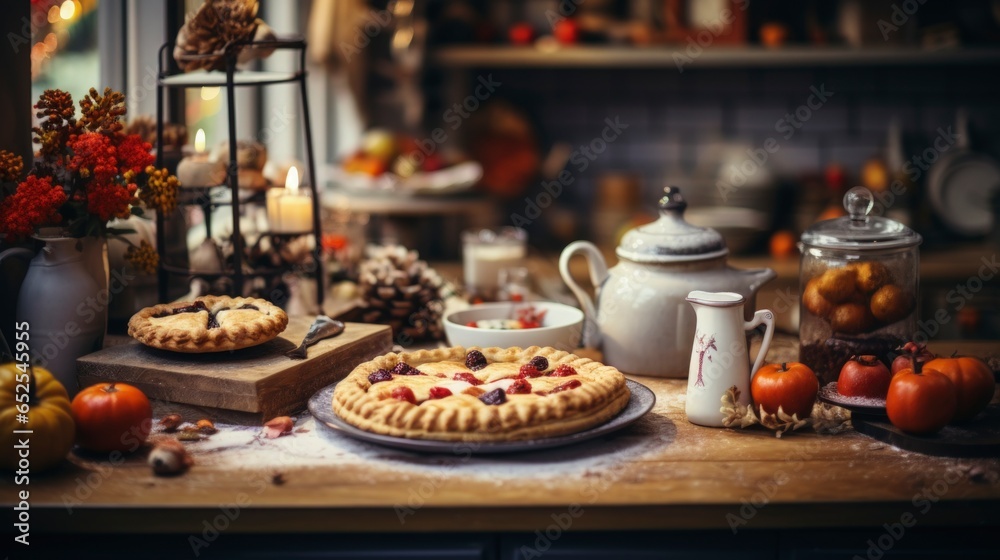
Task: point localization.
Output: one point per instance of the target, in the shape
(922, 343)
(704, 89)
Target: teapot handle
(598, 274)
(766, 317)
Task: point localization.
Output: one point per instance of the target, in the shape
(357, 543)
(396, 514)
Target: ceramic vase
(64, 301)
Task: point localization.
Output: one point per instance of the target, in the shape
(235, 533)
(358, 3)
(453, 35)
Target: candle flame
(292, 181)
(199, 141)
(67, 9)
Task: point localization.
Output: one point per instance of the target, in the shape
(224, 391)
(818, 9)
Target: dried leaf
(825, 419)
(190, 433)
(171, 422)
(828, 419)
(277, 427)
(206, 426)
(734, 412)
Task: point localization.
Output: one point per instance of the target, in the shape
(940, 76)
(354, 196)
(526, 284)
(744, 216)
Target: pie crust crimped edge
(602, 395)
(201, 339)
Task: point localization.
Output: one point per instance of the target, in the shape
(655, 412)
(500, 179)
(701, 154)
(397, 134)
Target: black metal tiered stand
(198, 195)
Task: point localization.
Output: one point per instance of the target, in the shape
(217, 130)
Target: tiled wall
(678, 122)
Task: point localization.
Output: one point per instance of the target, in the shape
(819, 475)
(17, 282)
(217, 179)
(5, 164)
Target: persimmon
(112, 417)
(790, 385)
(921, 400)
(973, 382)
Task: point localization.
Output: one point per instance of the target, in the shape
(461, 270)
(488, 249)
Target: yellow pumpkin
(49, 419)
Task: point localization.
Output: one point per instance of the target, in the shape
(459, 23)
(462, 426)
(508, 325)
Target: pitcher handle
(17, 252)
(766, 317)
(598, 274)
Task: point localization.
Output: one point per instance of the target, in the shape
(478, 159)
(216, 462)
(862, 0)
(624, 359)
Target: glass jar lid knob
(859, 202)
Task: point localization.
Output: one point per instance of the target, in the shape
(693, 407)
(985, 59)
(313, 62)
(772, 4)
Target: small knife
(322, 327)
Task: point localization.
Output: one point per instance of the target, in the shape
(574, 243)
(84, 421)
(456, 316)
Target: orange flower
(36, 202)
(110, 200)
(133, 154)
(93, 156)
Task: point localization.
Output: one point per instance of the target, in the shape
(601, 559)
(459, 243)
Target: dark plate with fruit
(641, 401)
(859, 406)
(979, 437)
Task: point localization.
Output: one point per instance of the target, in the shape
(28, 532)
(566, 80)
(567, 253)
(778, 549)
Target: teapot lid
(670, 238)
(858, 230)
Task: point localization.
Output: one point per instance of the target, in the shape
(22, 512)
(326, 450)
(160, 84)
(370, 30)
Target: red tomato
(921, 400)
(521, 33)
(792, 386)
(973, 381)
(567, 31)
(112, 417)
(864, 376)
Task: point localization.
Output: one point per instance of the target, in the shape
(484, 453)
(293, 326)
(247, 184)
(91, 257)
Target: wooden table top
(660, 473)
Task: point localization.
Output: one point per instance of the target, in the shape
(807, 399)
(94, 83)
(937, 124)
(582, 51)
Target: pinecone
(175, 136)
(401, 291)
(211, 30)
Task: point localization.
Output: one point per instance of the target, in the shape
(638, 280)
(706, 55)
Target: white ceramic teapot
(642, 321)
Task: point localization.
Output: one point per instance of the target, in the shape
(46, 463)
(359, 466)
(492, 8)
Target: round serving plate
(640, 402)
(873, 408)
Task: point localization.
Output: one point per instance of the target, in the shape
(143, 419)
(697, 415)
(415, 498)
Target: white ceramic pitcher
(720, 357)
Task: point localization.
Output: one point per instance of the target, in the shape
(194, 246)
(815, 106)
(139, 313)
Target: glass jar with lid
(858, 286)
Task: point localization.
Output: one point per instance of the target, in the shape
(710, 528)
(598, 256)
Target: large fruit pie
(208, 324)
(493, 394)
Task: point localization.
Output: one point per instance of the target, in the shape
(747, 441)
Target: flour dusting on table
(314, 444)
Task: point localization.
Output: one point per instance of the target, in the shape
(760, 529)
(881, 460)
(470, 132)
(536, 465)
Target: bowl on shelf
(561, 328)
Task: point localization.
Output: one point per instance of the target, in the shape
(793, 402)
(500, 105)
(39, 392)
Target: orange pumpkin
(973, 381)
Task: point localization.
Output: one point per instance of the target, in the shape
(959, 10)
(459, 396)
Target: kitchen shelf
(389, 204)
(721, 57)
(202, 78)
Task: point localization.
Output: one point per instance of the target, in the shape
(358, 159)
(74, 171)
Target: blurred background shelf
(216, 79)
(720, 57)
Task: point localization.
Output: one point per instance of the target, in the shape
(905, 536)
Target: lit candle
(196, 170)
(288, 210)
(485, 253)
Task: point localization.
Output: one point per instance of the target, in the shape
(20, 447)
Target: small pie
(483, 395)
(208, 324)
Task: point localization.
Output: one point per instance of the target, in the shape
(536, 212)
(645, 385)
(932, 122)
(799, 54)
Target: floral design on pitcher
(703, 348)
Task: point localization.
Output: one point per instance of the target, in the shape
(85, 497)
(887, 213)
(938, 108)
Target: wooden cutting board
(259, 380)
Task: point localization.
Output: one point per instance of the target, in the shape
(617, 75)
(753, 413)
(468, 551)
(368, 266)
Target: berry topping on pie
(467, 377)
(475, 360)
(404, 394)
(519, 387)
(563, 370)
(440, 392)
(496, 396)
(571, 384)
(403, 368)
(379, 376)
(540, 363)
(528, 370)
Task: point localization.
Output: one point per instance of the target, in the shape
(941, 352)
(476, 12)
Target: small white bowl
(561, 328)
